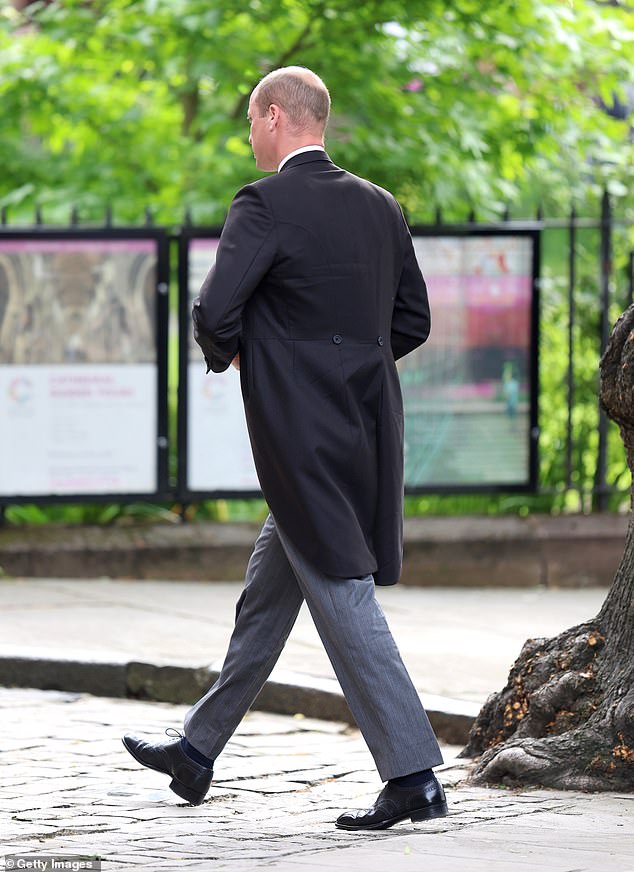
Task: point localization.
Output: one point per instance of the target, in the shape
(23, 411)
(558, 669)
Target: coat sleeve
(245, 254)
(411, 317)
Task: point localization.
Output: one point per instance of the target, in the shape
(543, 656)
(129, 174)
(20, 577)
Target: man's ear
(274, 115)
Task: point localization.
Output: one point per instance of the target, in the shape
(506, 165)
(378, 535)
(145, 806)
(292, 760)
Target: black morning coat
(317, 286)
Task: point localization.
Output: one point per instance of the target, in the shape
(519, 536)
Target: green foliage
(89, 513)
(135, 102)
(461, 104)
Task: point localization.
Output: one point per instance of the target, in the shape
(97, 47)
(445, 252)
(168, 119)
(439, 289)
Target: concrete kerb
(293, 694)
(469, 552)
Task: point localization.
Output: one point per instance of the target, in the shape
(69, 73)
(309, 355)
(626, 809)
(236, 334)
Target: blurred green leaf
(144, 103)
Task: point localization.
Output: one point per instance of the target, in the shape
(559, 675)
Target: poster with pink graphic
(468, 391)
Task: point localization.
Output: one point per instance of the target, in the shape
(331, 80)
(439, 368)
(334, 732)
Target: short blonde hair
(299, 92)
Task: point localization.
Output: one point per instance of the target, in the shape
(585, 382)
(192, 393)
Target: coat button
(337, 339)
(379, 340)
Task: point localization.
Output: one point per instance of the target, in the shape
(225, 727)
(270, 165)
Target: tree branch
(190, 101)
(617, 3)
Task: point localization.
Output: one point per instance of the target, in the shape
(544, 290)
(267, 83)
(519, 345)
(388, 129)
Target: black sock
(196, 755)
(414, 779)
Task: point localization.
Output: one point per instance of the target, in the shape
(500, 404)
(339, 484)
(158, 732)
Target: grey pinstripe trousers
(356, 637)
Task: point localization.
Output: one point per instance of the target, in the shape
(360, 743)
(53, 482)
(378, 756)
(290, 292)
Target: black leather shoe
(394, 804)
(190, 780)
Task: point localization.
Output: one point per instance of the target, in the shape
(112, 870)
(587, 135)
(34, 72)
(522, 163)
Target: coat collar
(304, 158)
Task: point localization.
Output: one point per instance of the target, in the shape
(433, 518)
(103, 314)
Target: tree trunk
(566, 716)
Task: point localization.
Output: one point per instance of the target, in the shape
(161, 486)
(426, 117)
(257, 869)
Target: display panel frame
(158, 238)
(530, 231)
(517, 230)
(186, 494)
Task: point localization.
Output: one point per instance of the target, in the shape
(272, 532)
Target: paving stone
(71, 788)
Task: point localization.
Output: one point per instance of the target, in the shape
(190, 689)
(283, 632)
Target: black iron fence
(583, 282)
(591, 286)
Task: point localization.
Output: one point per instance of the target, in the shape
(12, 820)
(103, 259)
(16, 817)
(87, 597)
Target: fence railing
(586, 278)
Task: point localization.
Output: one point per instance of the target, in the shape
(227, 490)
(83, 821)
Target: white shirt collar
(300, 151)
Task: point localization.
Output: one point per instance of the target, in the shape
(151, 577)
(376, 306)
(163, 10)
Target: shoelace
(174, 733)
(190, 752)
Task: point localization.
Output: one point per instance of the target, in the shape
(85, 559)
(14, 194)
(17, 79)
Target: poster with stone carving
(78, 358)
(79, 301)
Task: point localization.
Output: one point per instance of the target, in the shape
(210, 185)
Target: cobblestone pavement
(69, 787)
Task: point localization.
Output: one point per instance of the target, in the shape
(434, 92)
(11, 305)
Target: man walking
(314, 294)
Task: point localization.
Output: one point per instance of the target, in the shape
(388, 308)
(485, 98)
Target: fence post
(605, 266)
(572, 282)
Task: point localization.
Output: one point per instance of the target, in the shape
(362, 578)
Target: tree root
(558, 722)
(585, 759)
(551, 688)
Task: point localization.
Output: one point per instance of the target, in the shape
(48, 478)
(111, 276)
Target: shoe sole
(193, 797)
(438, 810)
